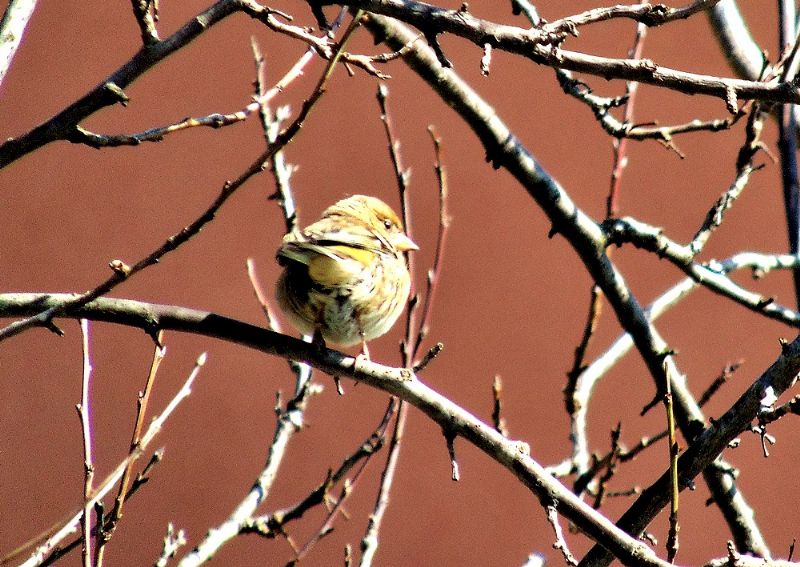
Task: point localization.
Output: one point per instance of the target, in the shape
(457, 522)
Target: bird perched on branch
(345, 278)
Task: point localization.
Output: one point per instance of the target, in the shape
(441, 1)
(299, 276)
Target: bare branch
(146, 12)
(12, 28)
(84, 412)
(395, 381)
(541, 48)
(69, 525)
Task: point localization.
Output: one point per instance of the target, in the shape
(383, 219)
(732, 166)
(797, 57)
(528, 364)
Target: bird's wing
(331, 264)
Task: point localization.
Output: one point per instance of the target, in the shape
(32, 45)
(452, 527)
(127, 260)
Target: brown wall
(511, 301)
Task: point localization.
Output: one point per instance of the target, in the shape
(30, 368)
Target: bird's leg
(317, 339)
(364, 349)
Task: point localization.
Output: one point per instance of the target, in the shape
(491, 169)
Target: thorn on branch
(51, 326)
(560, 543)
(497, 418)
(450, 438)
(432, 353)
(433, 42)
(731, 100)
(486, 60)
(120, 268)
(115, 94)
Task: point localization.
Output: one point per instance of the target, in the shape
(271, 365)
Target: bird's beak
(403, 243)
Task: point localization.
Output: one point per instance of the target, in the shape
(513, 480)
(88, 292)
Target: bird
(345, 278)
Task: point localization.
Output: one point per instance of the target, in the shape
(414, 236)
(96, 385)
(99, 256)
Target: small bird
(345, 279)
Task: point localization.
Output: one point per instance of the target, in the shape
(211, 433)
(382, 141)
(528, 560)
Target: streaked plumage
(345, 275)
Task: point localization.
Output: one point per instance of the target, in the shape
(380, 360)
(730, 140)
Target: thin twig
(349, 484)
(84, 412)
(369, 542)
(497, 408)
(719, 381)
(674, 528)
(560, 543)
(68, 526)
(620, 145)
(101, 523)
(12, 27)
(142, 402)
(410, 346)
(578, 434)
(441, 240)
(274, 524)
(146, 12)
(455, 470)
(289, 420)
(173, 541)
(370, 539)
(122, 272)
(647, 14)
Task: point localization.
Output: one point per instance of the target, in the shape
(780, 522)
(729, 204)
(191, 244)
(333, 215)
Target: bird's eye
(387, 224)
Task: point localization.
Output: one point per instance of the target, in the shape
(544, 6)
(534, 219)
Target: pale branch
(397, 409)
(51, 545)
(744, 55)
(648, 14)
(12, 27)
(543, 48)
(61, 550)
(370, 539)
(173, 541)
(583, 234)
(145, 12)
(66, 124)
(142, 403)
(708, 445)
(527, 9)
(709, 274)
(400, 382)
(122, 271)
(84, 412)
(289, 421)
(560, 543)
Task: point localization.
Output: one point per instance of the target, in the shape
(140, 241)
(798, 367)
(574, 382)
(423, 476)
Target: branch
(146, 19)
(12, 28)
(400, 382)
(583, 234)
(542, 48)
(647, 14)
(52, 543)
(122, 272)
(708, 274)
(744, 55)
(110, 91)
(707, 446)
